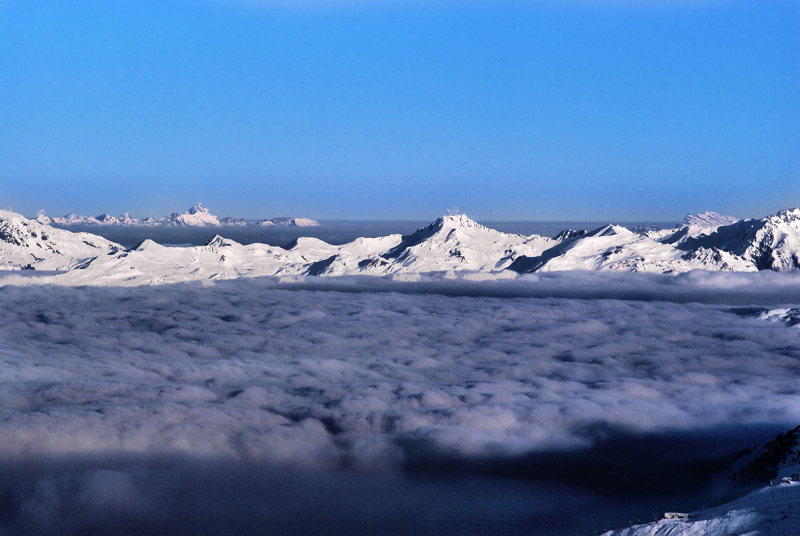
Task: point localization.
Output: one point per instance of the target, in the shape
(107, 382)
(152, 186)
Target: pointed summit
(457, 221)
(198, 208)
(197, 216)
(787, 215)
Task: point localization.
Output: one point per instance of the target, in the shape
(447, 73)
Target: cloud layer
(330, 406)
(351, 379)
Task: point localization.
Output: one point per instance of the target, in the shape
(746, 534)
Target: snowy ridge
(706, 223)
(789, 316)
(197, 216)
(773, 509)
(771, 243)
(31, 244)
(453, 246)
(290, 222)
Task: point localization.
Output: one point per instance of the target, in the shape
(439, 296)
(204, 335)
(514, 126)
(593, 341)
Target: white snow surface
(706, 222)
(773, 510)
(788, 315)
(31, 243)
(197, 216)
(291, 222)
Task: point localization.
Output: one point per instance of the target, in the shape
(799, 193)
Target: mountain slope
(706, 222)
(197, 216)
(451, 246)
(614, 248)
(772, 509)
(771, 243)
(28, 243)
(455, 243)
(151, 263)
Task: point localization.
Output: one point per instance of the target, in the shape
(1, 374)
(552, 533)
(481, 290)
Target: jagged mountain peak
(220, 241)
(787, 215)
(455, 221)
(29, 243)
(198, 208)
(569, 234)
(610, 230)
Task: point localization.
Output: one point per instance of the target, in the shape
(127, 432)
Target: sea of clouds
(118, 405)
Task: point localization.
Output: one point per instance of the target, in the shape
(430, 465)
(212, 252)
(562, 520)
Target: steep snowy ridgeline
(197, 216)
(694, 225)
(771, 243)
(74, 219)
(108, 219)
(615, 248)
(351, 258)
(772, 509)
(450, 245)
(455, 243)
(28, 243)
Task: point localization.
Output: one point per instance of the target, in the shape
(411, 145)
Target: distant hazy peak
(708, 219)
(706, 223)
(198, 207)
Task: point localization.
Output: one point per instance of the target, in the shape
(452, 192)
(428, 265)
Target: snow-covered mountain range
(197, 216)
(34, 244)
(453, 246)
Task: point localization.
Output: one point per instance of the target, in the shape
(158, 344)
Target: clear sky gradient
(537, 110)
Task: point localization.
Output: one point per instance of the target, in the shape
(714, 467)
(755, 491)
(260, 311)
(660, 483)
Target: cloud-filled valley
(356, 380)
(322, 378)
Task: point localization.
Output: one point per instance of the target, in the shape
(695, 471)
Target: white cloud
(307, 377)
(254, 397)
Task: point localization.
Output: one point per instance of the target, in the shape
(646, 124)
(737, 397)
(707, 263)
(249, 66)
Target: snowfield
(773, 511)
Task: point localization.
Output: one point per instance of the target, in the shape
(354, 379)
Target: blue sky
(537, 110)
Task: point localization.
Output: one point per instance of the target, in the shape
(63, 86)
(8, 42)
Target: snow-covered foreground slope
(770, 511)
(31, 244)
